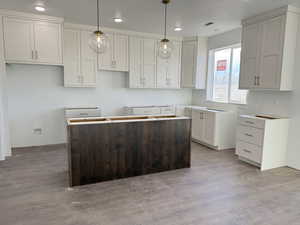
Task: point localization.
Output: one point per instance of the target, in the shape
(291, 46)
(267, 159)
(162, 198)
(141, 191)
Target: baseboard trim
(41, 146)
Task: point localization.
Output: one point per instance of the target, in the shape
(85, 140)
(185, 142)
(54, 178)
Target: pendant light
(165, 45)
(98, 40)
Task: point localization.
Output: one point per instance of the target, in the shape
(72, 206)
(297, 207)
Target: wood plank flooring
(217, 190)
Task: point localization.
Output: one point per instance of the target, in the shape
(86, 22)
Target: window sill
(226, 103)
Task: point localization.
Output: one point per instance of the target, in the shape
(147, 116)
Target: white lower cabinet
(80, 62)
(149, 110)
(213, 128)
(262, 141)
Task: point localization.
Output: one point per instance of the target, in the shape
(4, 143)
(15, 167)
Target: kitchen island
(107, 148)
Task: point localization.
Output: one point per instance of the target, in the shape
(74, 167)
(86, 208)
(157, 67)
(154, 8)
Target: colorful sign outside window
(221, 65)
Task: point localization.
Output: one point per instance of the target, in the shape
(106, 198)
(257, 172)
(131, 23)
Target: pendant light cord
(98, 16)
(165, 33)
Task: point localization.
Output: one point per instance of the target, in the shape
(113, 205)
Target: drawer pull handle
(249, 135)
(83, 114)
(245, 150)
(249, 122)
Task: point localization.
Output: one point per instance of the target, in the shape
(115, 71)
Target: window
(223, 76)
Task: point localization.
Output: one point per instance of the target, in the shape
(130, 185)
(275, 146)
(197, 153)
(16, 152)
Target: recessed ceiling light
(177, 29)
(40, 8)
(118, 20)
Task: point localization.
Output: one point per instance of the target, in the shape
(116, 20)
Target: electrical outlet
(38, 131)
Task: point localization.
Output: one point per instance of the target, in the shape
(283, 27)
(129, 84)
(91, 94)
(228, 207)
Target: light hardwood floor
(217, 190)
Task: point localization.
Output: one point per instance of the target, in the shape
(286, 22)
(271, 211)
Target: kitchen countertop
(121, 119)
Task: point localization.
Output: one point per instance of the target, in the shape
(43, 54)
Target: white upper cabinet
(135, 66)
(149, 63)
(169, 70)
(121, 52)
(142, 63)
(32, 41)
(48, 44)
(250, 50)
(80, 61)
(268, 50)
(88, 61)
(19, 42)
(115, 57)
(106, 59)
(72, 77)
(194, 63)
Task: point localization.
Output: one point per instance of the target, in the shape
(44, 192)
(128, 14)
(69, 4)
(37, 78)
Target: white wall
(286, 104)
(5, 149)
(37, 97)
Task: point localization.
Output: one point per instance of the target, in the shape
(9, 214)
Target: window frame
(210, 75)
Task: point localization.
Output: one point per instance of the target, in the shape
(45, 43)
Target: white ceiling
(147, 15)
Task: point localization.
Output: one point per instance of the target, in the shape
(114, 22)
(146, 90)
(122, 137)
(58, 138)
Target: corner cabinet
(115, 57)
(194, 63)
(269, 49)
(32, 41)
(80, 61)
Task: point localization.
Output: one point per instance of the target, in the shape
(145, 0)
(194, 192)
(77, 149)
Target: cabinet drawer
(249, 151)
(250, 134)
(77, 113)
(248, 121)
(167, 110)
(146, 111)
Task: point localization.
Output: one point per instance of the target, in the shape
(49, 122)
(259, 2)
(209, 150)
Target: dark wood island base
(117, 147)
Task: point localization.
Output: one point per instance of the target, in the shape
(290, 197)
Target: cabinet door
(120, 58)
(72, 76)
(149, 63)
(271, 53)
(106, 58)
(197, 125)
(48, 45)
(18, 40)
(188, 70)
(135, 67)
(174, 67)
(88, 62)
(209, 136)
(250, 56)
(162, 67)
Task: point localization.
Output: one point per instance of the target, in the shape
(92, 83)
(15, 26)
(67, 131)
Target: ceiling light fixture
(177, 29)
(98, 40)
(165, 46)
(118, 20)
(40, 8)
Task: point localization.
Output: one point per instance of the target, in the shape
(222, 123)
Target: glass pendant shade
(165, 49)
(98, 42)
